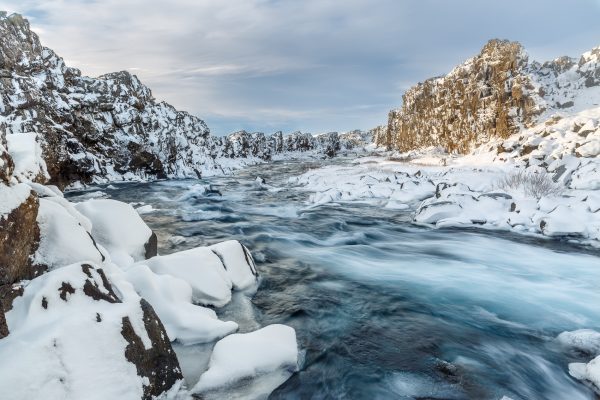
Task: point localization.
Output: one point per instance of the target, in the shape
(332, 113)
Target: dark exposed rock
(65, 289)
(91, 288)
(3, 325)
(151, 246)
(159, 363)
(19, 238)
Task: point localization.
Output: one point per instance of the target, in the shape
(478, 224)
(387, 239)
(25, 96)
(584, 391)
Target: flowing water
(384, 309)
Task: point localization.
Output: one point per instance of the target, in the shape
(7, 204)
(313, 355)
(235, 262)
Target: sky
(310, 65)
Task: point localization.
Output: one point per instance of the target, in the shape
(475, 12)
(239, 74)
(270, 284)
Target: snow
(202, 269)
(63, 239)
(171, 298)
(12, 197)
(56, 348)
(26, 153)
(247, 355)
(117, 227)
(584, 340)
(238, 263)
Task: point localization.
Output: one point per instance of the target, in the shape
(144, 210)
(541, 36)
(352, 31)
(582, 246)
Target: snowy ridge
(492, 95)
(111, 127)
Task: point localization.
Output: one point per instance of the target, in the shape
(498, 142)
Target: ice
(589, 372)
(247, 355)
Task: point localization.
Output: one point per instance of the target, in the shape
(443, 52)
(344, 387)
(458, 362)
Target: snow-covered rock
(238, 263)
(213, 272)
(63, 239)
(494, 95)
(171, 298)
(19, 233)
(583, 340)
(120, 229)
(202, 269)
(74, 336)
(588, 373)
(112, 128)
(466, 192)
(241, 357)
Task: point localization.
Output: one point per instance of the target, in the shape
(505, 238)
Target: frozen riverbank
(383, 307)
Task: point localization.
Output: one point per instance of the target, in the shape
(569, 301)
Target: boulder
(74, 335)
(119, 228)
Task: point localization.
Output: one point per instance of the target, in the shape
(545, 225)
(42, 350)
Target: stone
(159, 363)
(19, 238)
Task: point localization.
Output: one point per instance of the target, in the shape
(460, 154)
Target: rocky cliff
(492, 95)
(111, 127)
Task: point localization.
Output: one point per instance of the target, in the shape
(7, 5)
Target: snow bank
(26, 153)
(171, 298)
(118, 228)
(66, 344)
(202, 269)
(242, 356)
(63, 238)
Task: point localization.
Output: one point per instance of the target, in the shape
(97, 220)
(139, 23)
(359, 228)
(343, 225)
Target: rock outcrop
(111, 127)
(492, 95)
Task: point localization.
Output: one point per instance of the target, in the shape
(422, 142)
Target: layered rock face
(111, 127)
(492, 95)
(107, 126)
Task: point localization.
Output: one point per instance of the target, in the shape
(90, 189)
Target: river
(385, 309)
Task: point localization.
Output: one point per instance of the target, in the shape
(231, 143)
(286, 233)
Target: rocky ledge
(492, 95)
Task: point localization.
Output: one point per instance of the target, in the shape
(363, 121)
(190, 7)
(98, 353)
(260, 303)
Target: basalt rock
(19, 238)
(492, 95)
(159, 363)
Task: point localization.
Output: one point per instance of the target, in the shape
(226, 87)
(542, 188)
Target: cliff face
(111, 127)
(492, 95)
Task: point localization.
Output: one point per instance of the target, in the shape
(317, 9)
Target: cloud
(314, 65)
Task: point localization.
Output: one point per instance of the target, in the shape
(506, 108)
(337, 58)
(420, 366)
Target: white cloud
(303, 64)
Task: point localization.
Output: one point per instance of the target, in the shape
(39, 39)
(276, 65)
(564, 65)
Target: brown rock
(3, 326)
(481, 99)
(159, 363)
(151, 246)
(19, 238)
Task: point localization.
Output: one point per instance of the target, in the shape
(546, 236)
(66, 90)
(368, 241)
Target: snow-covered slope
(111, 127)
(492, 95)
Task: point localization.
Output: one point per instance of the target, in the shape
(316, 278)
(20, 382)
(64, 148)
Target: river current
(384, 309)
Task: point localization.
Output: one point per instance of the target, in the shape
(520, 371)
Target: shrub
(534, 184)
